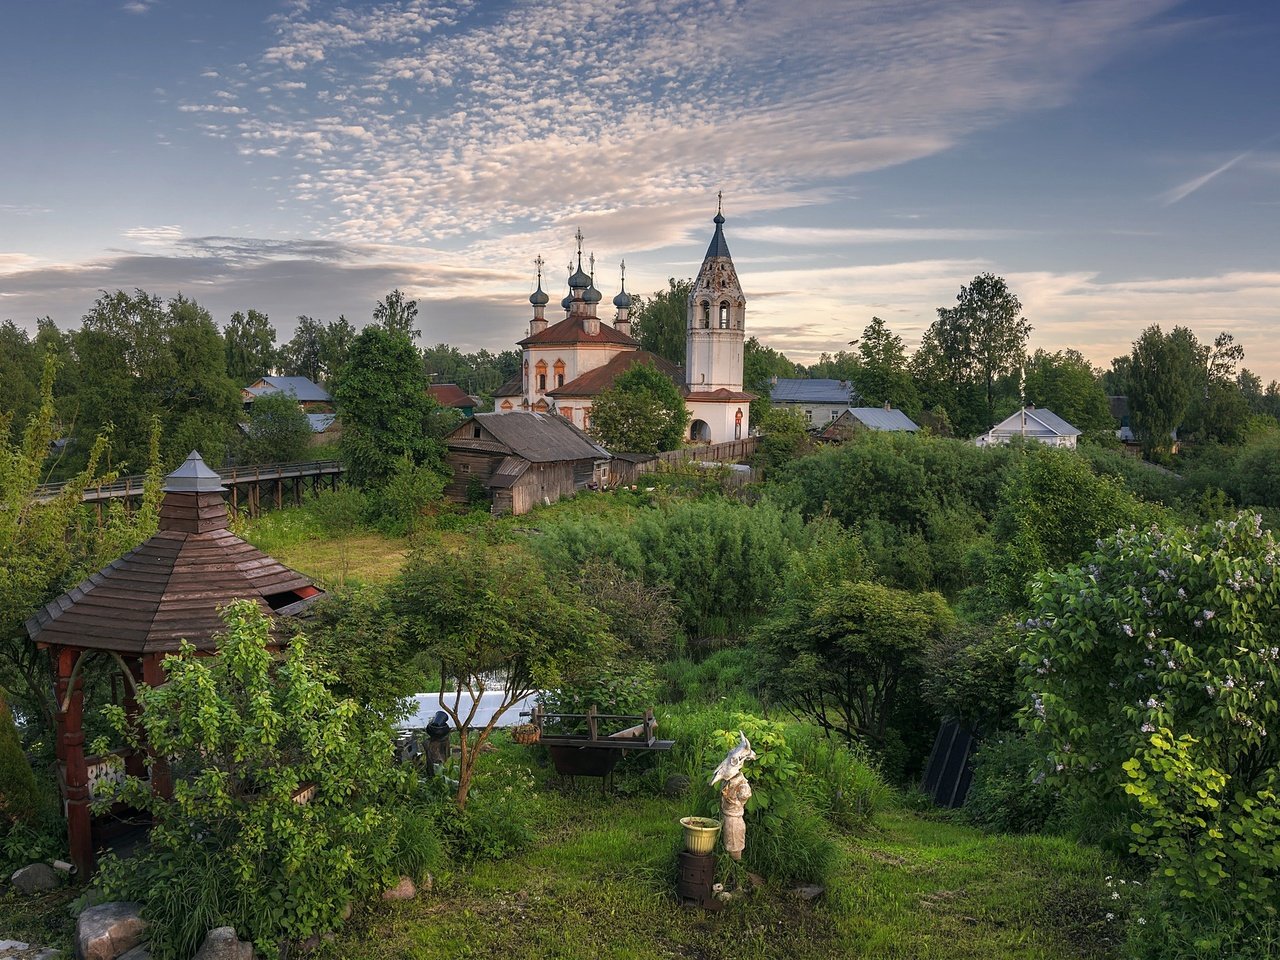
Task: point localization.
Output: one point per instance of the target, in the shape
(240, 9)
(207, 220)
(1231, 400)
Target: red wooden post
(161, 777)
(71, 753)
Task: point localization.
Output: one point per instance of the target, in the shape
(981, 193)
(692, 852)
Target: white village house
(1031, 423)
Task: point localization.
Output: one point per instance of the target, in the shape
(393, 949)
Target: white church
(568, 363)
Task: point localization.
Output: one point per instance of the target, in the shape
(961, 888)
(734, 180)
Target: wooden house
(517, 460)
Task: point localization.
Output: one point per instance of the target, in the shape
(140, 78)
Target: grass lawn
(599, 884)
(366, 556)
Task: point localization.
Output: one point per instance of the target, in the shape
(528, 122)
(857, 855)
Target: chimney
(888, 406)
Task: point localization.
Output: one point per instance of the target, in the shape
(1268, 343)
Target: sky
(1117, 161)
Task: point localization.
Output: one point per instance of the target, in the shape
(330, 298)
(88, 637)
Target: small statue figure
(734, 796)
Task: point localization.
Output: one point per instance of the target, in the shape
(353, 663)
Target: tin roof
(878, 418)
(812, 391)
(302, 388)
(536, 437)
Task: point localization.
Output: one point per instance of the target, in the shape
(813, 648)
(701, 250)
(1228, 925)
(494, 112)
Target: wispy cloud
(1184, 190)
(827, 236)
(424, 121)
(155, 236)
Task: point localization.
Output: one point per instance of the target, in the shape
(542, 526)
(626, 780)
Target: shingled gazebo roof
(174, 585)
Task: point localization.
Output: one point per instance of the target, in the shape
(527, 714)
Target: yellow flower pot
(700, 834)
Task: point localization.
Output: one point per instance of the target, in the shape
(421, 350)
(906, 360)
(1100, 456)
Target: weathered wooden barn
(517, 460)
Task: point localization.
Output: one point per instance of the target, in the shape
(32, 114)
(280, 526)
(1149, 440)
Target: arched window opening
(724, 314)
(706, 314)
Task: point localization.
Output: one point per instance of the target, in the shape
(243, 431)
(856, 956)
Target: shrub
(840, 780)
(611, 686)
(1010, 791)
(19, 796)
(729, 675)
(243, 734)
(1149, 669)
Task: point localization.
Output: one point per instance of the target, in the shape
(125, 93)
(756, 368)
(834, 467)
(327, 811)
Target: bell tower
(716, 317)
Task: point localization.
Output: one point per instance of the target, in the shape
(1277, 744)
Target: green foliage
(719, 558)
(386, 409)
(47, 546)
(1152, 669)
(728, 675)
(19, 796)
(642, 411)
(618, 687)
(659, 321)
(845, 663)
(318, 351)
(250, 343)
(784, 436)
(139, 360)
(487, 621)
(401, 503)
(760, 364)
(1066, 383)
(355, 636)
(1010, 791)
(1046, 486)
(971, 674)
(279, 431)
(1258, 472)
(883, 375)
(969, 356)
(243, 735)
(643, 619)
(840, 781)
(1164, 373)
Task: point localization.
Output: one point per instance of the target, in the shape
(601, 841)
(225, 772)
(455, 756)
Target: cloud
(1182, 191)
(138, 7)
(830, 236)
(802, 309)
(155, 236)
(430, 121)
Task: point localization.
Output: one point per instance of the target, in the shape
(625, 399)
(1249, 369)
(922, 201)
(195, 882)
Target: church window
(724, 314)
(559, 373)
(541, 376)
(706, 314)
(526, 376)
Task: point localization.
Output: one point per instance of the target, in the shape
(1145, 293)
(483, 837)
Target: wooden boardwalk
(248, 486)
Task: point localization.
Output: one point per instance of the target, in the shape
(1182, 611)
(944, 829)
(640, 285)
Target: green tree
(969, 356)
(47, 546)
(19, 795)
(251, 347)
(659, 322)
(784, 435)
(244, 735)
(883, 375)
(397, 314)
(304, 354)
(1164, 374)
(491, 623)
(1066, 383)
(1221, 411)
(279, 431)
(760, 364)
(19, 372)
(845, 662)
(386, 410)
(198, 403)
(1150, 670)
(641, 412)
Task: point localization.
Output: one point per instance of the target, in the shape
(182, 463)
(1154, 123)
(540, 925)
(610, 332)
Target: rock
(221, 943)
(36, 878)
(809, 891)
(48, 953)
(677, 785)
(404, 890)
(107, 930)
(8, 947)
(140, 952)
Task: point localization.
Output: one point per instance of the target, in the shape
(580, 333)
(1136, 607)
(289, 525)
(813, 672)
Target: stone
(105, 931)
(140, 952)
(36, 878)
(403, 890)
(809, 891)
(12, 946)
(221, 943)
(677, 785)
(48, 953)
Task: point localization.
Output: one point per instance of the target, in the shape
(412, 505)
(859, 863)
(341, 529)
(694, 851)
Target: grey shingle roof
(812, 391)
(303, 389)
(537, 437)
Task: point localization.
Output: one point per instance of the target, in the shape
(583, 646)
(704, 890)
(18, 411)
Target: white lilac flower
(1148, 728)
(1199, 623)
(1207, 614)
(1128, 630)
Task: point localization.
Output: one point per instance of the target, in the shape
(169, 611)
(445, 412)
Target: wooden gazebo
(138, 609)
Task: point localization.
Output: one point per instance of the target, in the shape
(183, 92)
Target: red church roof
(571, 330)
